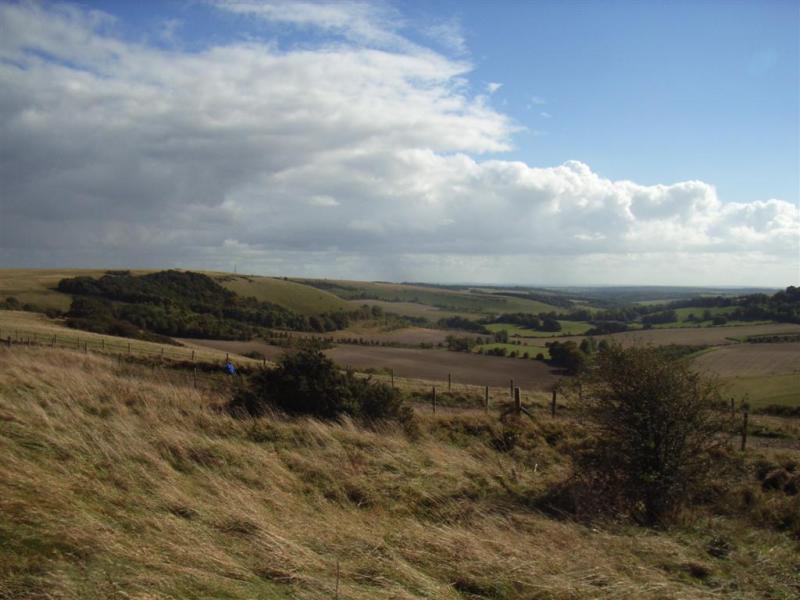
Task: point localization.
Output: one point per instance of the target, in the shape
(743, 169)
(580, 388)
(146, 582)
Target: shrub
(306, 382)
(655, 438)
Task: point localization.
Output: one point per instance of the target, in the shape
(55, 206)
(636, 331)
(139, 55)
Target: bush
(655, 438)
(307, 382)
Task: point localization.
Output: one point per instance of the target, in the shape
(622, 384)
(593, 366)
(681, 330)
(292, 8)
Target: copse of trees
(185, 304)
(463, 324)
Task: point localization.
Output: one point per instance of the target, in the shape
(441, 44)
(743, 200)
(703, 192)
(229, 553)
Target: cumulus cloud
(365, 159)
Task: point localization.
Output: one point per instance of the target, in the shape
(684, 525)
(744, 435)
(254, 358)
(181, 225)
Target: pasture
(567, 328)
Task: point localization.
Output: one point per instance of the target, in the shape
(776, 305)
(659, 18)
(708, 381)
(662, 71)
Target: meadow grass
(116, 483)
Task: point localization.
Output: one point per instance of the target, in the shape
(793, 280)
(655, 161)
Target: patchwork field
(746, 360)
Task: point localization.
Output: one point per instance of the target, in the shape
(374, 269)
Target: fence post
(433, 399)
(53, 343)
(744, 430)
(391, 373)
(553, 405)
(192, 355)
(486, 399)
(129, 347)
(102, 343)
(449, 381)
(733, 408)
(8, 341)
(517, 402)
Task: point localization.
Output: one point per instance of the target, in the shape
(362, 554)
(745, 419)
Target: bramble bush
(306, 382)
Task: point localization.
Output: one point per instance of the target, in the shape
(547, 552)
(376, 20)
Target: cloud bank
(366, 156)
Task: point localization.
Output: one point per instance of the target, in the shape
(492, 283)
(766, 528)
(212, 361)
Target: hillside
(295, 296)
(115, 483)
(465, 302)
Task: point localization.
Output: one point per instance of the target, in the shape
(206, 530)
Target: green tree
(655, 433)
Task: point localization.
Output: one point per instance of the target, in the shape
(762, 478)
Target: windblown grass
(116, 483)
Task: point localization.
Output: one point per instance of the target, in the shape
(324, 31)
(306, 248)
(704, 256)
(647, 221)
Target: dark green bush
(307, 382)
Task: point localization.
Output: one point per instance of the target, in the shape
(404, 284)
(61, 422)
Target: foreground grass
(115, 483)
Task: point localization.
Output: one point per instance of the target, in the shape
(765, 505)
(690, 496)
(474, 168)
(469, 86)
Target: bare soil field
(749, 360)
(711, 336)
(408, 336)
(433, 365)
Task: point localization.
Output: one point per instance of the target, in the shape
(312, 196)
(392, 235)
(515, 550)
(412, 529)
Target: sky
(540, 143)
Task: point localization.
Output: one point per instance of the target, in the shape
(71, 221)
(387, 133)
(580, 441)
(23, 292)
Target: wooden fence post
(192, 355)
(744, 430)
(433, 399)
(517, 402)
(449, 381)
(733, 408)
(486, 399)
(8, 341)
(129, 347)
(53, 343)
(391, 374)
(553, 405)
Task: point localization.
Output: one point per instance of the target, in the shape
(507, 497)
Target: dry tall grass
(114, 483)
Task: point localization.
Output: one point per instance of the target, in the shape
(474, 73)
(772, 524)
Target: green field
(295, 296)
(762, 391)
(567, 328)
(521, 349)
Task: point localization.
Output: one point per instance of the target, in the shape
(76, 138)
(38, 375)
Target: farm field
(407, 336)
(712, 336)
(413, 309)
(529, 347)
(764, 391)
(745, 360)
(295, 296)
(432, 365)
(567, 328)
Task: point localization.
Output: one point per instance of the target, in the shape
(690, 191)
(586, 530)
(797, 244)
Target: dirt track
(421, 364)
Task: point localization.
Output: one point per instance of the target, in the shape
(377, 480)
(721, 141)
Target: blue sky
(530, 142)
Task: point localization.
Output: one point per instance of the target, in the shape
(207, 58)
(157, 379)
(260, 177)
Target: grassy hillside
(464, 302)
(116, 484)
(295, 296)
(37, 286)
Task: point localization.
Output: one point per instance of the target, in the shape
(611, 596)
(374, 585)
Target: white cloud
(123, 154)
(492, 87)
(545, 115)
(538, 100)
